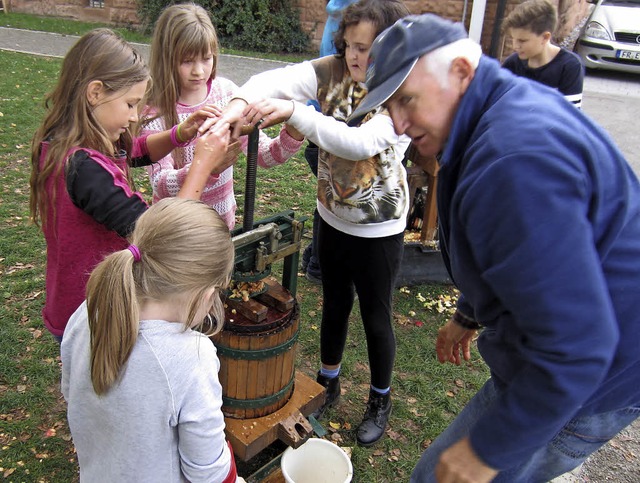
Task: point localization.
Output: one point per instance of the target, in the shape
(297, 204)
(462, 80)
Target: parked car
(610, 39)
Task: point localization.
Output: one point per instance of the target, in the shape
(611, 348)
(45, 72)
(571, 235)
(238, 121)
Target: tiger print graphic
(371, 190)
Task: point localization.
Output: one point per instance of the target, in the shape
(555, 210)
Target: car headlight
(596, 31)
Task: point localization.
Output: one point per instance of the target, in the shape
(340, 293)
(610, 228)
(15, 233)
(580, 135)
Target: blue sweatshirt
(540, 228)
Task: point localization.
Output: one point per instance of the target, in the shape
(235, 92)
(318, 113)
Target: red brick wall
(312, 14)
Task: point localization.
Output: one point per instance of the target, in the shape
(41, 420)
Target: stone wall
(313, 15)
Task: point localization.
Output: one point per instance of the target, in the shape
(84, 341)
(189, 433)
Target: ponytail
(113, 318)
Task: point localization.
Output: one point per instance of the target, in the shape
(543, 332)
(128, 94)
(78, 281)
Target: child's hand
(233, 151)
(209, 157)
(189, 127)
(271, 111)
(212, 149)
(231, 115)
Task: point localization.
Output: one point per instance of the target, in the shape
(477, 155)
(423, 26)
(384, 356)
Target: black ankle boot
(375, 419)
(331, 396)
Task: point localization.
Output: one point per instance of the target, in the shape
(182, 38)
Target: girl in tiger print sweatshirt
(362, 195)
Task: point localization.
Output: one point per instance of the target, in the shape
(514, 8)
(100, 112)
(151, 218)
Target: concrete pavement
(233, 67)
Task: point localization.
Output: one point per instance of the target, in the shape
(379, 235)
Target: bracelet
(179, 135)
(464, 321)
(174, 138)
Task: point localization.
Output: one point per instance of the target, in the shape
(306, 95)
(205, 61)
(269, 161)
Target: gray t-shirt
(161, 422)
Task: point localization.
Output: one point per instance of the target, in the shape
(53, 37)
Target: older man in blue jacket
(539, 217)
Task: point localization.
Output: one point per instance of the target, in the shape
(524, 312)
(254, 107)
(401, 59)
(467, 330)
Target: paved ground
(611, 99)
(233, 67)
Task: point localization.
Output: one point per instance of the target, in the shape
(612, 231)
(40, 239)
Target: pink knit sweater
(167, 178)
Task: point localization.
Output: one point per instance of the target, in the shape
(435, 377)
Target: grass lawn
(35, 443)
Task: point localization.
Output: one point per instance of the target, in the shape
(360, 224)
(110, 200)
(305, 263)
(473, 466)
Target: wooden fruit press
(264, 400)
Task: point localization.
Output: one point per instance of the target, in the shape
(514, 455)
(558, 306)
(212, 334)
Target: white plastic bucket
(316, 461)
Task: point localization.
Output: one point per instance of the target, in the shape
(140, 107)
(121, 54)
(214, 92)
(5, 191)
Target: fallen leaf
(450, 394)
(21, 388)
(8, 472)
(334, 425)
(50, 433)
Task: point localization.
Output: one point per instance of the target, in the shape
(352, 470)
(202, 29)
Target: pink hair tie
(135, 251)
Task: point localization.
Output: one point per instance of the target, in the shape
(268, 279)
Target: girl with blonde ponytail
(139, 374)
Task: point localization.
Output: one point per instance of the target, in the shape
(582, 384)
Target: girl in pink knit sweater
(184, 54)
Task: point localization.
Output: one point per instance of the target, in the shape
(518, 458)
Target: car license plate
(628, 54)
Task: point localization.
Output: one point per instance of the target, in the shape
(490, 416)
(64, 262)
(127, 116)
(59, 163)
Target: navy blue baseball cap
(397, 49)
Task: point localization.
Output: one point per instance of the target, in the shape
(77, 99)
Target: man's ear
(94, 92)
(546, 37)
(463, 72)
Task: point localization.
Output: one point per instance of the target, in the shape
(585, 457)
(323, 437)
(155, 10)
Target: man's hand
(452, 339)
(460, 464)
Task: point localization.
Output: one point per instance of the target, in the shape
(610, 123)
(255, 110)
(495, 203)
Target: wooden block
(276, 296)
(251, 309)
(274, 477)
(250, 436)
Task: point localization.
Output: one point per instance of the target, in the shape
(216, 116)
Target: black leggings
(371, 266)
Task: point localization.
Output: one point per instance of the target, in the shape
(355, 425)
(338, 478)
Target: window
(96, 3)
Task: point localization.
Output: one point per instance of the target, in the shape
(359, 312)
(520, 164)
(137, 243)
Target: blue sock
(380, 391)
(329, 373)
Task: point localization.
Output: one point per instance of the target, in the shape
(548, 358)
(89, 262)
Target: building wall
(313, 15)
(118, 12)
